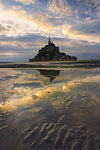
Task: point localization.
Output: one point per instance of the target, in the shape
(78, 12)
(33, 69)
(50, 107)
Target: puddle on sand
(50, 109)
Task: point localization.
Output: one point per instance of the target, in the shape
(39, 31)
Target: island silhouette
(51, 52)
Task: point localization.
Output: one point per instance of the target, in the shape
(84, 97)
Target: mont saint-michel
(51, 52)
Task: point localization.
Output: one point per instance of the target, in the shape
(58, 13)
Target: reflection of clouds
(34, 109)
(46, 92)
(63, 96)
(31, 98)
(69, 86)
(26, 97)
(16, 101)
(76, 100)
(95, 78)
(20, 97)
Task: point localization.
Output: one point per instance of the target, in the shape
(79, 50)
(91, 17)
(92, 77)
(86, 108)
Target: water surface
(50, 109)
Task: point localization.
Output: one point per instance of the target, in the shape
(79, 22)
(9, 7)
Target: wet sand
(54, 64)
(50, 109)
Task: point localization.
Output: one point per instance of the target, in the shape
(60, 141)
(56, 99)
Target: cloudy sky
(25, 25)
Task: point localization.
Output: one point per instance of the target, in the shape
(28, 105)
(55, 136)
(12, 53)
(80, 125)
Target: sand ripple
(59, 136)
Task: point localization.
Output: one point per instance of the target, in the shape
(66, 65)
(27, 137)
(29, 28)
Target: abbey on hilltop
(51, 53)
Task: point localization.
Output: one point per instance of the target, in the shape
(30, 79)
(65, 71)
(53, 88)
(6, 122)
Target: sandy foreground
(54, 109)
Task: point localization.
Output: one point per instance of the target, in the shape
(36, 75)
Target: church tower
(49, 42)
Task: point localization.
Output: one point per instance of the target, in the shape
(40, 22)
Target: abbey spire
(49, 42)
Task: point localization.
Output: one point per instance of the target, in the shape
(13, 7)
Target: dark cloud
(89, 28)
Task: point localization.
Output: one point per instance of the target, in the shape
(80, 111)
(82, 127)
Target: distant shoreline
(7, 62)
(54, 64)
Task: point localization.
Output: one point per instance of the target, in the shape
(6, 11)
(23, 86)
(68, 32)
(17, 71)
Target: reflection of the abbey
(51, 74)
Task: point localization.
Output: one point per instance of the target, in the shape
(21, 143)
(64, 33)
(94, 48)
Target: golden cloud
(71, 32)
(68, 30)
(17, 21)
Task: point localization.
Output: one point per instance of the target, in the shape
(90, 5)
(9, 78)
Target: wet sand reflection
(62, 114)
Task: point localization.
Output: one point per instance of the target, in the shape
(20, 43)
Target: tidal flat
(50, 109)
